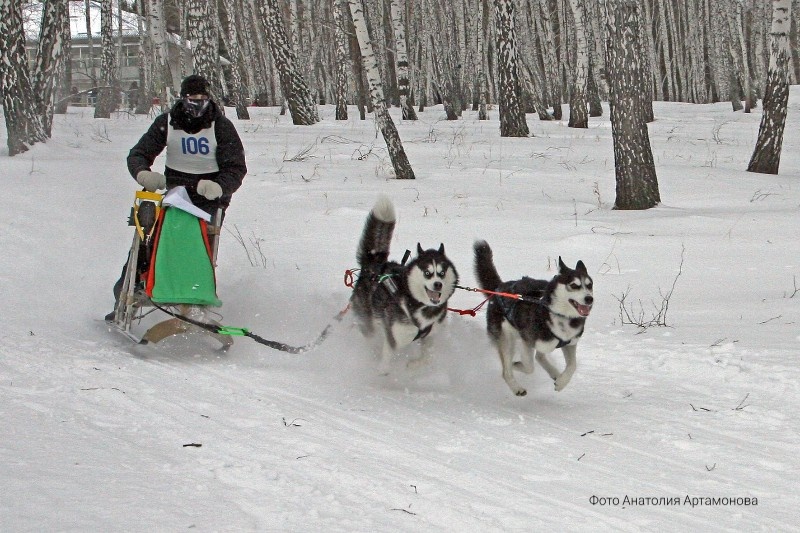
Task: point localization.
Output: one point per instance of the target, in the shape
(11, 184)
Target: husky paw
(517, 390)
(562, 380)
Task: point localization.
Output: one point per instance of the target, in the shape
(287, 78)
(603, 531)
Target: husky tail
(377, 235)
(485, 271)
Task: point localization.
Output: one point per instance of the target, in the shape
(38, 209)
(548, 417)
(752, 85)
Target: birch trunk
(758, 45)
(719, 52)
(263, 89)
(746, 71)
(653, 84)
(201, 26)
(637, 186)
(157, 32)
(664, 44)
(23, 123)
(342, 59)
(65, 86)
(578, 112)
(401, 57)
(423, 55)
(50, 58)
(146, 92)
(238, 93)
(512, 116)
(400, 163)
(254, 62)
(87, 6)
(294, 88)
(109, 92)
(481, 85)
(597, 49)
(533, 80)
(767, 155)
(550, 60)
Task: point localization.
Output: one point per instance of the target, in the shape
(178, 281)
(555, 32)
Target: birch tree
(260, 62)
(65, 83)
(157, 34)
(230, 25)
(578, 117)
(201, 25)
(481, 84)
(23, 123)
(342, 60)
(533, 79)
(301, 106)
(50, 58)
(146, 91)
(402, 167)
(637, 186)
(512, 115)
(401, 58)
(550, 60)
(444, 59)
(87, 12)
(109, 92)
(767, 154)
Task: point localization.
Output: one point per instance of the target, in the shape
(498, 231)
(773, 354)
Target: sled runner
(170, 267)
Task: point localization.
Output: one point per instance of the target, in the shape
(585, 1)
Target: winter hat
(194, 84)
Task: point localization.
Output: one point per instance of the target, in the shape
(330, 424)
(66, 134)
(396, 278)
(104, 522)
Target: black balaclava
(191, 116)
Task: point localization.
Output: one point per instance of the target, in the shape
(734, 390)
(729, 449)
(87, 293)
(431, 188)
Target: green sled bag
(180, 267)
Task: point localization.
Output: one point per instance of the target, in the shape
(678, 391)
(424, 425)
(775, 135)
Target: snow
(700, 415)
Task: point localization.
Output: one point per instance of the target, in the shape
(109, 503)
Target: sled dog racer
(204, 152)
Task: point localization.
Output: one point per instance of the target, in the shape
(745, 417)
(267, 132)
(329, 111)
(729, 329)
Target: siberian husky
(402, 300)
(551, 315)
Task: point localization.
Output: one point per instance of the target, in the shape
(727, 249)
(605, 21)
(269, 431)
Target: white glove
(151, 181)
(209, 189)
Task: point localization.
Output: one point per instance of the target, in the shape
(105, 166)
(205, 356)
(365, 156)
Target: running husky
(551, 315)
(403, 300)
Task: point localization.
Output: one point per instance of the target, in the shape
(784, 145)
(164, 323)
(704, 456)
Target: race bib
(193, 153)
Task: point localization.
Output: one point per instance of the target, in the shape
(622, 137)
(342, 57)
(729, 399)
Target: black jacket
(230, 155)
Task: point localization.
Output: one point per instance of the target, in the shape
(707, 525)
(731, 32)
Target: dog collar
(561, 342)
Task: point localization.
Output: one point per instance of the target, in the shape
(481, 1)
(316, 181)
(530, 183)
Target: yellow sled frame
(132, 299)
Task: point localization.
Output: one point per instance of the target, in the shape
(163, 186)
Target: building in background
(86, 51)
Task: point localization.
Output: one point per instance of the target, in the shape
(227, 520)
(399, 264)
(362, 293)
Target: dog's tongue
(434, 296)
(583, 310)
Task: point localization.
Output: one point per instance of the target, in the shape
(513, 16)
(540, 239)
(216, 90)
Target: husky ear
(419, 249)
(441, 248)
(562, 268)
(580, 267)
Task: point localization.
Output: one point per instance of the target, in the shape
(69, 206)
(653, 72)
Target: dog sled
(170, 268)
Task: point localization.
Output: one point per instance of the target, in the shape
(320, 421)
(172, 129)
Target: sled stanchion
(215, 228)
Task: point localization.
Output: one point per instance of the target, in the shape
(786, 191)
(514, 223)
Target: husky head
(431, 276)
(573, 291)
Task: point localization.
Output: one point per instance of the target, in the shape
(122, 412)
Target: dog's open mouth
(582, 309)
(434, 296)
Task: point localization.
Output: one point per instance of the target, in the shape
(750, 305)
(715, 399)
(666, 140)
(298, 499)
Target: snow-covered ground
(688, 427)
